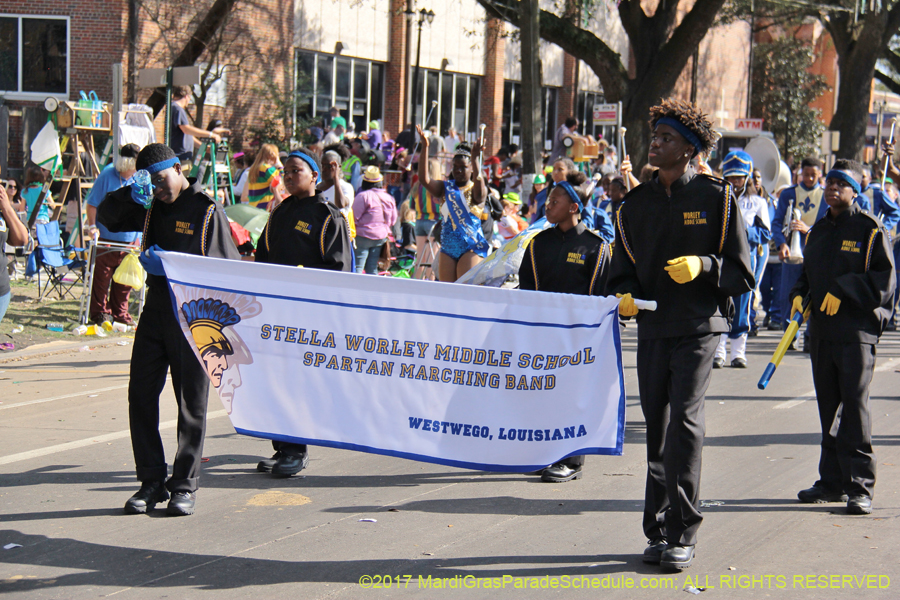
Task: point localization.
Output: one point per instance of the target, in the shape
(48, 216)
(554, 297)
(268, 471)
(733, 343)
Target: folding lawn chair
(57, 262)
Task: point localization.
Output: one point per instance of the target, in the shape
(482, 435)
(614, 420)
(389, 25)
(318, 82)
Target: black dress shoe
(150, 494)
(753, 333)
(181, 504)
(266, 464)
(765, 323)
(772, 326)
(676, 557)
(819, 495)
(654, 550)
(859, 505)
(288, 464)
(560, 473)
(718, 363)
(739, 363)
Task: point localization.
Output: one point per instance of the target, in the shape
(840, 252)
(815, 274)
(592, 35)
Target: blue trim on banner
(617, 340)
(422, 457)
(430, 313)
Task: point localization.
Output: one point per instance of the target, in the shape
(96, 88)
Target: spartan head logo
(207, 319)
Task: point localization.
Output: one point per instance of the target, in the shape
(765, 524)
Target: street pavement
(66, 469)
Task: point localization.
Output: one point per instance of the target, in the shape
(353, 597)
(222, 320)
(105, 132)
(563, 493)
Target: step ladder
(212, 168)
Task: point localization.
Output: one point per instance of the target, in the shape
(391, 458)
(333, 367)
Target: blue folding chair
(57, 262)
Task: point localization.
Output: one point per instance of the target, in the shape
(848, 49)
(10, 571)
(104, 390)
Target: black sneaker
(859, 505)
(676, 557)
(181, 504)
(560, 473)
(289, 464)
(739, 363)
(654, 550)
(820, 495)
(266, 464)
(150, 494)
(718, 363)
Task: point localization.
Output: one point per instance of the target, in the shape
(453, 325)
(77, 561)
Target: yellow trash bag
(130, 272)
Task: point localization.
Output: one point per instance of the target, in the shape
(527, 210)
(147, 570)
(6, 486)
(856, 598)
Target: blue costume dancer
(737, 169)
(463, 244)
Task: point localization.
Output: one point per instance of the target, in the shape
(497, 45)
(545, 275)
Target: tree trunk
(532, 129)
(858, 51)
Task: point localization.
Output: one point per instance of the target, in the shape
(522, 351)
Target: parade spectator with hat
(375, 212)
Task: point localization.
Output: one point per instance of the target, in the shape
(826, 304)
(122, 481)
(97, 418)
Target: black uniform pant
(673, 374)
(842, 373)
(159, 345)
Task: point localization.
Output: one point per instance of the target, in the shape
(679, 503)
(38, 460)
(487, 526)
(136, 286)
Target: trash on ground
(11, 546)
(121, 343)
(58, 327)
(693, 590)
(84, 349)
(18, 329)
(707, 503)
(7, 346)
(368, 521)
(80, 330)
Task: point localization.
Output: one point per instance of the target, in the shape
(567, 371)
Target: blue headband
(309, 161)
(565, 185)
(686, 133)
(162, 165)
(835, 174)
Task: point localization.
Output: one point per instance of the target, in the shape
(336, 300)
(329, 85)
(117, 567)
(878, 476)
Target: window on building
(512, 113)
(34, 55)
(353, 85)
(457, 98)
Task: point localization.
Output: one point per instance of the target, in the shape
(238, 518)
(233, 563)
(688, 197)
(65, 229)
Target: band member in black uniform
(304, 230)
(848, 275)
(181, 218)
(680, 240)
(569, 259)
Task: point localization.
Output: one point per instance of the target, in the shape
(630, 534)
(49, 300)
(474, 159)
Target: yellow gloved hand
(684, 268)
(626, 305)
(797, 306)
(830, 305)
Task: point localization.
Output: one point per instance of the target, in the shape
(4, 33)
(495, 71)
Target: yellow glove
(684, 268)
(626, 305)
(797, 306)
(830, 305)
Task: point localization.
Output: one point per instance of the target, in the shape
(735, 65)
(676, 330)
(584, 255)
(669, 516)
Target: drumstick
(890, 141)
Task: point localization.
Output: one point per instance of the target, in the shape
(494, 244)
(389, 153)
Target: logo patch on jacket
(302, 227)
(575, 257)
(695, 218)
(851, 246)
(184, 227)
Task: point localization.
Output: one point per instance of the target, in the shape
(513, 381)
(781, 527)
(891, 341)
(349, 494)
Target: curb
(51, 348)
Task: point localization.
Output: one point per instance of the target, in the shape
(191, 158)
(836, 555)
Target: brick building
(61, 48)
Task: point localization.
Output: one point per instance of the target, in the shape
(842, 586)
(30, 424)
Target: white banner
(467, 376)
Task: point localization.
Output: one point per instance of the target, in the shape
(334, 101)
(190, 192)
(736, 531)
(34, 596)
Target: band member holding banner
(849, 278)
(303, 231)
(680, 240)
(463, 244)
(178, 217)
(737, 168)
(570, 259)
(799, 208)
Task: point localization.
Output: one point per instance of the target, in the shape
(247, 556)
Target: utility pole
(532, 130)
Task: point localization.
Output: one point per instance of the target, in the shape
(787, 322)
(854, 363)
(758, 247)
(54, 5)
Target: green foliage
(783, 89)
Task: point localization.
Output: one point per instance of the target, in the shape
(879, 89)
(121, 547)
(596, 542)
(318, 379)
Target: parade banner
(467, 376)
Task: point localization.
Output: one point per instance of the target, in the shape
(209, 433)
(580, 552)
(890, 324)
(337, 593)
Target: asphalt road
(66, 469)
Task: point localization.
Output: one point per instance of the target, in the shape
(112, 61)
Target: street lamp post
(424, 15)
